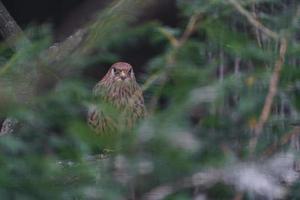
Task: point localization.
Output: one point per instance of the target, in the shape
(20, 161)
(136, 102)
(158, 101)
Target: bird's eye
(130, 71)
(115, 71)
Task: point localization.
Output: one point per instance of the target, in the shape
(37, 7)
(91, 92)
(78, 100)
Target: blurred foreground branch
(11, 32)
(266, 179)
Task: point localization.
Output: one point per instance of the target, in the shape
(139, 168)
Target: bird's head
(121, 72)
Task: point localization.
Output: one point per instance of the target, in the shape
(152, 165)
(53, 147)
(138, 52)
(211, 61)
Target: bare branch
(237, 62)
(254, 21)
(188, 31)
(275, 75)
(59, 51)
(190, 28)
(286, 138)
(257, 33)
(176, 44)
(271, 94)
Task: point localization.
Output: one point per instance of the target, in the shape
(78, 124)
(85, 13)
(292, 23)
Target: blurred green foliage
(203, 104)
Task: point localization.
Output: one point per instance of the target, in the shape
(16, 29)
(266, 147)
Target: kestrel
(118, 90)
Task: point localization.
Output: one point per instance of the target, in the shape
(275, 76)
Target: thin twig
(151, 80)
(171, 38)
(257, 33)
(221, 66)
(286, 138)
(237, 62)
(190, 29)
(176, 43)
(272, 87)
(275, 75)
(270, 96)
(254, 21)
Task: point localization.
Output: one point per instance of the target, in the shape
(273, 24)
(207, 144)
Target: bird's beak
(123, 75)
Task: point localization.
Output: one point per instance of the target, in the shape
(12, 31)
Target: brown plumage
(119, 91)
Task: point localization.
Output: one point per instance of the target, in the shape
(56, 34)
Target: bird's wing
(139, 108)
(98, 119)
(98, 90)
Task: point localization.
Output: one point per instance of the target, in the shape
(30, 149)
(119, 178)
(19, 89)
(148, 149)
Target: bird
(119, 98)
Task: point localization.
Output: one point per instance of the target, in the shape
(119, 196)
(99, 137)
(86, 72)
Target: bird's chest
(121, 99)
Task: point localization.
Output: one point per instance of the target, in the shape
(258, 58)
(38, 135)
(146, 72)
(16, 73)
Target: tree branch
(9, 29)
(254, 21)
(270, 96)
(176, 43)
(275, 75)
(11, 33)
(59, 51)
(287, 137)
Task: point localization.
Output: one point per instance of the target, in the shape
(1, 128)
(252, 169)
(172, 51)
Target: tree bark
(9, 29)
